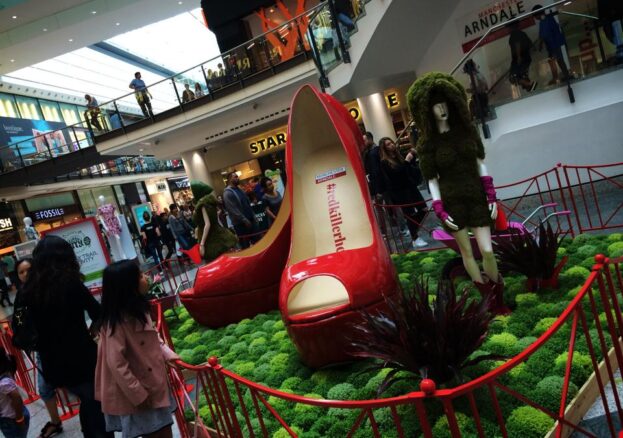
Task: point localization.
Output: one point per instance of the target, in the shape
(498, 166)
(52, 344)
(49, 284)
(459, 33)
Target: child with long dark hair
(14, 417)
(131, 375)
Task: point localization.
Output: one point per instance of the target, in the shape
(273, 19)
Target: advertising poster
(138, 211)
(32, 137)
(24, 250)
(87, 242)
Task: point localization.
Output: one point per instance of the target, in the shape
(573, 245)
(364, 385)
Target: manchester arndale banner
(32, 137)
(473, 26)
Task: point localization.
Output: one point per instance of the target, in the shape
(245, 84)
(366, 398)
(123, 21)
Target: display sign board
(474, 25)
(176, 184)
(138, 211)
(85, 238)
(32, 137)
(24, 250)
(48, 213)
(265, 143)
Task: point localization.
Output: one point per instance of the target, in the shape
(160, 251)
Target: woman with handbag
(56, 300)
(401, 180)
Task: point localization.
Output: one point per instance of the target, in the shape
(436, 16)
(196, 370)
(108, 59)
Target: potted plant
(427, 336)
(532, 256)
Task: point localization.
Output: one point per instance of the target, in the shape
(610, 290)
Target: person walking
(131, 372)
(401, 182)
(188, 94)
(47, 392)
(552, 37)
(56, 296)
(372, 166)
(520, 45)
(14, 417)
(198, 90)
(239, 210)
(143, 97)
(92, 113)
(151, 239)
(166, 234)
(180, 228)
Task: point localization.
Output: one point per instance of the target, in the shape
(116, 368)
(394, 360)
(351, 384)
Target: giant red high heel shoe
(242, 284)
(338, 263)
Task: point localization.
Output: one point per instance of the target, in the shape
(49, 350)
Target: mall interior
(223, 89)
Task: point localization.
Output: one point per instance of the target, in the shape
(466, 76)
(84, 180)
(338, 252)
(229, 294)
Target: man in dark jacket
(372, 166)
(239, 209)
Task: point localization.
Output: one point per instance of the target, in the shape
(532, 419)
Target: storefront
(159, 194)
(255, 156)
(51, 211)
(180, 190)
(9, 226)
(90, 199)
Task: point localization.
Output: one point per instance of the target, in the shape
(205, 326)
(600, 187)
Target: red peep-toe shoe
(338, 263)
(242, 284)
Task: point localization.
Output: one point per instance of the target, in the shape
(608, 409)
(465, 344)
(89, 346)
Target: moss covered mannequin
(214, 240)
(452, 160)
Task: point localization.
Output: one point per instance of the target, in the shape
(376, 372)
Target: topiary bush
(549, 390)
(260, 350)
(527, 422)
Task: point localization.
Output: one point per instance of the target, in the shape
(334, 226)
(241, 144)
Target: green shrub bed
(260, 350)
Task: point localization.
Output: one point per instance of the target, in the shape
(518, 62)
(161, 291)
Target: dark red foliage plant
(530, 255)
(424, 335)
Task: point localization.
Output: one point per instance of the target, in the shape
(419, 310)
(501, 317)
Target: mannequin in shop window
(31, 232)
(214, 239)
(452, 161)
(107, 215)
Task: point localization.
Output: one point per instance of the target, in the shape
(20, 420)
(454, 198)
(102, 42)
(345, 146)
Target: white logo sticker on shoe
(330, 174)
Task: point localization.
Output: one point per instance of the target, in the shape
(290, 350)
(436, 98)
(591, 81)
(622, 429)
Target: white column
(376, 116)
(195, 167)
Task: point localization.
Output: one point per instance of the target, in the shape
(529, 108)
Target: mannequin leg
(489, 263)
(471, 266)
(120, 251)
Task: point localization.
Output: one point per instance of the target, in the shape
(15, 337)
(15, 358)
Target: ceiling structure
(33, 31)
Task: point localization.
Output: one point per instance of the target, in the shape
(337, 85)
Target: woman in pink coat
(131, 377)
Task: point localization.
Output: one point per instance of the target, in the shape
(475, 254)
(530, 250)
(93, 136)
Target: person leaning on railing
(93, 112)
(142, 94)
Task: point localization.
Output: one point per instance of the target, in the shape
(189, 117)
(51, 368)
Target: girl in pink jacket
(131, 375)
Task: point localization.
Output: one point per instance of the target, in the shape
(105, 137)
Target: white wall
(534, 134)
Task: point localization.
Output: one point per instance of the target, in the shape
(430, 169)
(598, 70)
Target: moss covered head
(432, 88)
(200, 189)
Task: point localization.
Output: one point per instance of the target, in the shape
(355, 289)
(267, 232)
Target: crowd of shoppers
(393, 179)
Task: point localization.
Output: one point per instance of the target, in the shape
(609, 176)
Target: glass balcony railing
(120, 167)
(540, 50)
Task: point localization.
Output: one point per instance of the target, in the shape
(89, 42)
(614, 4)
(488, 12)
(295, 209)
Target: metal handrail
(309, 12)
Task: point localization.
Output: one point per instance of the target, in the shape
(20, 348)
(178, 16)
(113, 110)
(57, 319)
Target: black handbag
(25, 334)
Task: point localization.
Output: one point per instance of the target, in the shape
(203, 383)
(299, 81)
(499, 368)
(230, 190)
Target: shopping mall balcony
(251, 85)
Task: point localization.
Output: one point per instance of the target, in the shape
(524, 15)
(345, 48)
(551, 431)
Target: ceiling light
(71, 40)
(272, 10)
(117, 24)
(14, 17)
(180, 3)
(141, 150)
(12, 60)
(94, 12)
(45, 29)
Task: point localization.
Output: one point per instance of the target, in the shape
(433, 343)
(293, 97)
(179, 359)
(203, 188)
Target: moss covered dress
(220, 239)
(452, 158)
